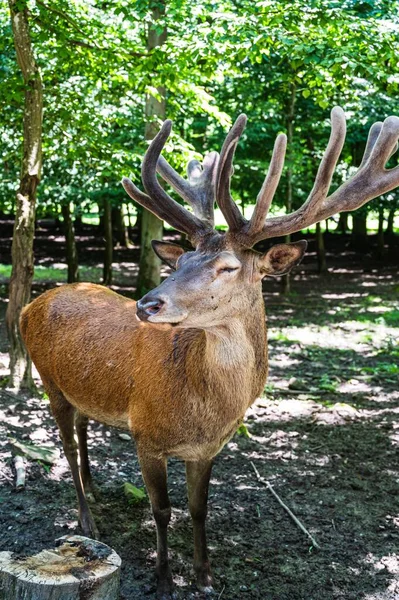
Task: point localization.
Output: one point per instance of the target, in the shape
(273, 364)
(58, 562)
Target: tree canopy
(219, 59)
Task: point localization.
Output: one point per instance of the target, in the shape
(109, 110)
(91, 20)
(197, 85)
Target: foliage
(219, 59)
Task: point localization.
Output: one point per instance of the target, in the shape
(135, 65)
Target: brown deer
(180, 368)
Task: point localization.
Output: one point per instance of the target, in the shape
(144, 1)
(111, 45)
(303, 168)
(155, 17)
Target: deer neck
(241, 337)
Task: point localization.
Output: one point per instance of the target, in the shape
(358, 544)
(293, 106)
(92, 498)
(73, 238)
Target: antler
(371, 180)
(198, 191)
(229, 208)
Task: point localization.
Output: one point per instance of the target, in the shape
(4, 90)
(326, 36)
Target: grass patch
(55, 274)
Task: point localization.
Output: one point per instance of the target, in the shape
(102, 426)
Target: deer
(180, 367)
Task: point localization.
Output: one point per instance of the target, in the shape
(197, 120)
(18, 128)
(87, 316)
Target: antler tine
(269, 186)
(385, 144)
(374, 132)
(199, 189)
(230, 210)
(327, 166)
(330, 158)
(158, 201)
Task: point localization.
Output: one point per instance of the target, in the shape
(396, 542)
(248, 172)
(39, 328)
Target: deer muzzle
(155, 308)
(147, 307)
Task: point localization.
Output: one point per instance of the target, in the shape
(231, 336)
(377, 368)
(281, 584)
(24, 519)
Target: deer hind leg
(198, 474)
(81, 422)
(154, 472)
(64, 414)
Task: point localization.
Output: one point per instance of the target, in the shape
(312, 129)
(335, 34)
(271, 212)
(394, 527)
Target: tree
(109, 246)
(22, 244)
(151, 226)
(71, 250)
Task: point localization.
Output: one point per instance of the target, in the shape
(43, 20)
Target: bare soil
(325, 435)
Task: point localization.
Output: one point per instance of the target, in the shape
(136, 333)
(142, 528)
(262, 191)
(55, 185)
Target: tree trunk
(286, 279)
(390, 221)
(139, 220)
(152, 227)
(77, 568)
(343, 223)
(24, 225)
(78, 225)
(359, 227)
(321, 251)
(109, 245)
(71, 250)
(119, 227)
(380, 234)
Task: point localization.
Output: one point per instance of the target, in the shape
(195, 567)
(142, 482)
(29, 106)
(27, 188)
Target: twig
(295, 519)
(19, 464)
(10, 395)
(288, 391)
(312, 449)
(220, 595)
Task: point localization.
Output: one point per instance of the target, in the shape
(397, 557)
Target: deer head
(222, 275)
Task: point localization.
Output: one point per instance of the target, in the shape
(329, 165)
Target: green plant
(133, 493)
(328, 384)
(243, 431)
(47, 468)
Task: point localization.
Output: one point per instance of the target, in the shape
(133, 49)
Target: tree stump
(77, 569)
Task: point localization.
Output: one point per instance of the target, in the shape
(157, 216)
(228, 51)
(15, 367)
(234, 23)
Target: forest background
(84, 86)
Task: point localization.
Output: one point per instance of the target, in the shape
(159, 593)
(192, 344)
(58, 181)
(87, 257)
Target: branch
(291, 514)
(63, 16)
(92, 46)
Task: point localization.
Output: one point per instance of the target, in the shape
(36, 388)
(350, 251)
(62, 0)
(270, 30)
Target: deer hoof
(204, 580)
(208, 589)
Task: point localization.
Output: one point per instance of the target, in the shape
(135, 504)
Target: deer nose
(147, 307)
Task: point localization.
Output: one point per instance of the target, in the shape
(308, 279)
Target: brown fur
(171, 386)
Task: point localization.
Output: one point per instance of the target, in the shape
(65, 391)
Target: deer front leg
(198, 474)
(154, 472)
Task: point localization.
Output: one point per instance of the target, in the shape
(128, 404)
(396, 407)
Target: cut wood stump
(77, 569)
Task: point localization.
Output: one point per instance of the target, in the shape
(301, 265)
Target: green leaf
(133, 493)
(243, 430)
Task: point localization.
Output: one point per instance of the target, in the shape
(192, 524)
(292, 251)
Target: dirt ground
(325, 435)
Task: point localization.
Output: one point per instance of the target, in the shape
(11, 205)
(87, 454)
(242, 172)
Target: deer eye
(228, 269)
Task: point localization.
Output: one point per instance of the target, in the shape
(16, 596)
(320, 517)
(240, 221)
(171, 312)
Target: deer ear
(167, 252)
(280, 259)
